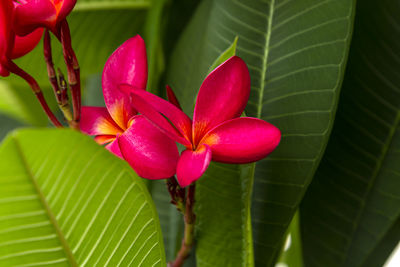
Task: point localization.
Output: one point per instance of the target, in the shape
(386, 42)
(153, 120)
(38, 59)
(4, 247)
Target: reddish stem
(73, 70)
(188, 239)
(50, 66)
(12, 67)
(177, 193)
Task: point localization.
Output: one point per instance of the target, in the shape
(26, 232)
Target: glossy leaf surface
(66, 201)
(354, 200)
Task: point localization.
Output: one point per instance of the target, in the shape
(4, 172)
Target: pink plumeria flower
(217, 131)
(32, 14)
(12, 46)
(150, 152)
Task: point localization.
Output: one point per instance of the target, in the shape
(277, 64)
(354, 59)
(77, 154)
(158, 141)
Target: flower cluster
(147, 141)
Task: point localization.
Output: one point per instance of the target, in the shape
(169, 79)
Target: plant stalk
(188, 239)
(73, 69)
(12, 67)
(60, 90)
(177, 194)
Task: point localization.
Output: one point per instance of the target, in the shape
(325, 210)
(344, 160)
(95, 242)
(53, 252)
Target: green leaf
(65, 200)
(229, 52)
(153, 38)
(7, 124)
(223, 224)
(354, 200)
(171, 219)
(296, 53)
(291, 254)
(15, 103)
(382, 251)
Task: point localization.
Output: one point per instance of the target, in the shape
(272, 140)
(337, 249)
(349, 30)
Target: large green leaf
(296, 53)
(223, 227)
(355, 199)
(170, 218)
(64, 200)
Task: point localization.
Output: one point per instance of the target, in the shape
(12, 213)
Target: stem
(188, 239)
(64, 103)
(48, 57)
(177, 194)
(60, 90)
(74, 79)
(12, 67)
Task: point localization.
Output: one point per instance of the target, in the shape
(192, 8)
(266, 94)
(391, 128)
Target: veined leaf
(355, 198)
(296, 52)
(229, 52)
(66, 201)
(170, 218)
(223, 228)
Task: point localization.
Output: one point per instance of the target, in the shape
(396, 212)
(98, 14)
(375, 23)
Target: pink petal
(172, 97)
(149, 152)
(25, 44)
(127, 65)
(6, 36)
(4, 72)
(151, 106)
(113, 147)
(222, 96)
(192, 165)
(104, 139)
(34, 14)
(242, 140)
(65, 9)
(97, 121)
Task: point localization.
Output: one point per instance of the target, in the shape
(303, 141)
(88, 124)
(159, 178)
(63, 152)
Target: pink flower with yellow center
(217, 131)
(150, 152)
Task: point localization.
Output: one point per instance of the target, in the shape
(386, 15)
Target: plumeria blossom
(217, 131)
(150, 152)
(12, 46)
(32, 14)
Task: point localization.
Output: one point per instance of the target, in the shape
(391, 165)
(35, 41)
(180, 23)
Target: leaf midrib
(46, 206)
(104, 5)
(265, 59)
